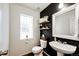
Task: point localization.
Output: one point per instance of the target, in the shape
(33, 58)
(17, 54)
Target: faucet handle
(64, 42)
(58, 40)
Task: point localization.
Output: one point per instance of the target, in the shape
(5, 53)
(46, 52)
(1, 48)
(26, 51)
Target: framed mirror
(65, 23)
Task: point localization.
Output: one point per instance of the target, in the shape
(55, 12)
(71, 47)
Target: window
(26, 26)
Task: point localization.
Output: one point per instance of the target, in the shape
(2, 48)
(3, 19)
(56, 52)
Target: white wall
(4, 26)
(0, 27)
(17, 46)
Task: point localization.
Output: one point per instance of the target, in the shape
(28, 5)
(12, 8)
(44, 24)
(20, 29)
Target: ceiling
(36, 6)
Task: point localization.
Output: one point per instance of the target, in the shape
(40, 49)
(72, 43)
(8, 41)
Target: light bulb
(61, 5)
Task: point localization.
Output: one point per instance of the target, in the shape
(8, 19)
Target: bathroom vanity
(66, 23)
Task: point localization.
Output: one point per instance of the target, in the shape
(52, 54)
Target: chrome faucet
(64, 42)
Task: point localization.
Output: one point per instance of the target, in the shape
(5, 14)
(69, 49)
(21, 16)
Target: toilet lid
(36, 49)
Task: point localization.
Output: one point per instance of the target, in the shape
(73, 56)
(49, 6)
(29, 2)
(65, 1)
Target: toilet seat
(37, 49)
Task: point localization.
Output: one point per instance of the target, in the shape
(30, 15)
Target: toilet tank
(43, 43)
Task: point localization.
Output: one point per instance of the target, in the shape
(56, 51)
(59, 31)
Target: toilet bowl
(37, 50)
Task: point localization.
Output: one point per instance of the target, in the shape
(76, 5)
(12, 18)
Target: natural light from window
(26, 27)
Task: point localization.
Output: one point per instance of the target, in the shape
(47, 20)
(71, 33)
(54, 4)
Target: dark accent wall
(52, 8)
(49, 11)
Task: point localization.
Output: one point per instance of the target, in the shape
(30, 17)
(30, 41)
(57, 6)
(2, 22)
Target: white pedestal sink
(62, 48)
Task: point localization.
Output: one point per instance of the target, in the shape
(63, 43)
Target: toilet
(38, 50)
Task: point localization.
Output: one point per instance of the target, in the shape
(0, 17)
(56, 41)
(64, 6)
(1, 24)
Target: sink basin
(62, 48)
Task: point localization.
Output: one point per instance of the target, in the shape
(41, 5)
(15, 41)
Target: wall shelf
(44, 29)
(45, 22)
